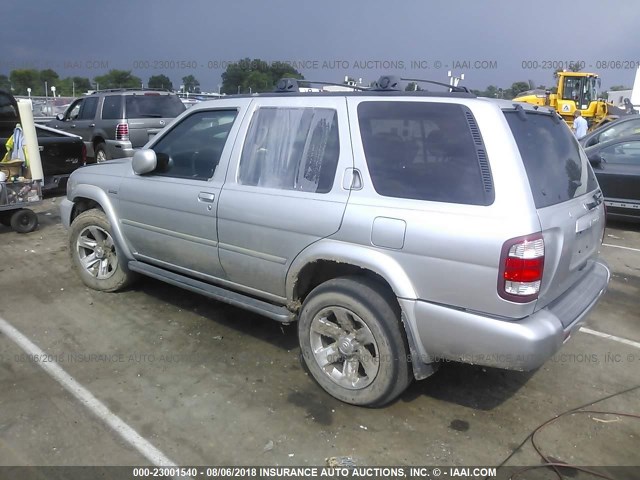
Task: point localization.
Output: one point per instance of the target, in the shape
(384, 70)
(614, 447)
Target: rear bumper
(119, 149)
(444, 333)
(53, 182)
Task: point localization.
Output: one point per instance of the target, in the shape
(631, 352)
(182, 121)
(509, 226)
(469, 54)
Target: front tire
(94, 253)
(353, 343)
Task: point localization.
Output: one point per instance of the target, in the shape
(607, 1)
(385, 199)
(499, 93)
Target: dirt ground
(209, 384)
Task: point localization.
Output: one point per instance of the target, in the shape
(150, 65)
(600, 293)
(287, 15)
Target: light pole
(29, 92)
(53, 91)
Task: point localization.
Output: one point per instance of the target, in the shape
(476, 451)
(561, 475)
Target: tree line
(244, 76)
(19, 81)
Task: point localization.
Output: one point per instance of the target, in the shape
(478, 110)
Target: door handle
(92, 125)
(206, 197)
(72, 126)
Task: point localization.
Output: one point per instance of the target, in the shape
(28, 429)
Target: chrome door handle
(92, 125)
(206, 197)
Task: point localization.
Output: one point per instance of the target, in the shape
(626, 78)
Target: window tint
(88, 109)
(556, 167)
(291, 149)
(424, 151)
(626, 153)
(74, 110)
(630, 127)
(192, 149)
(153, 105)
(112, 107)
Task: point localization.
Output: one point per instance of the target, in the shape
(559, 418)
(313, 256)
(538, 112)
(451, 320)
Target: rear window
(425, 151)
(153, 106)
(556, 167)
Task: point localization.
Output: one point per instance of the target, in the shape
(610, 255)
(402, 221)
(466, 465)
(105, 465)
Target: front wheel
(94, 253)
(353, 342)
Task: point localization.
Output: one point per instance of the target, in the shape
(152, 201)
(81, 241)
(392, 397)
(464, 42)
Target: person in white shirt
(579, 125)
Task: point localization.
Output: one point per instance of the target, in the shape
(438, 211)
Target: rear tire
(95, 254)
(353, 343)
(24, 220)
(100, 153)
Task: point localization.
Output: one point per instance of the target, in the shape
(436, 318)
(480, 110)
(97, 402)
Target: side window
(74, 110)
(88, 110)
(291, 149)
(192, 149)
(625, 153)
(424, 151)
(112, 107)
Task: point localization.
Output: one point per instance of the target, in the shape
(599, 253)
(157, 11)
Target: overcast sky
(330, 38)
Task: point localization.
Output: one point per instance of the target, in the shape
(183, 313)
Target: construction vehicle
(575, 91)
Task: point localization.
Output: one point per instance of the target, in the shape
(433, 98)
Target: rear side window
(112, 107)
(153, 106)
(291, 149)
(425, 151)
(557, 169)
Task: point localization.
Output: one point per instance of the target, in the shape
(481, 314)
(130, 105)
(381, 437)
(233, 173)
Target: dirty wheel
(94, 253)
(100, 153)
(24, 220)
(353, 343)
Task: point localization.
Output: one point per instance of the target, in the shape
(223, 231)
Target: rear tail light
(521, 267)
(84, 154)
(122, 131)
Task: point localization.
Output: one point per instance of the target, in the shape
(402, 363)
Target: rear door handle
(206, 197)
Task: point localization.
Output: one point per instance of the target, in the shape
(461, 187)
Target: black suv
(113, 123)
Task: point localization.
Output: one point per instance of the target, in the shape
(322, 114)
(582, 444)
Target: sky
(494, 42)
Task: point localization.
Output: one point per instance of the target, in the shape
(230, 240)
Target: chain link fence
(48, 107)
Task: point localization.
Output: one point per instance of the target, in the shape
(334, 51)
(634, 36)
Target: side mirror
(144, 161)
(595, 159)
(60, 117)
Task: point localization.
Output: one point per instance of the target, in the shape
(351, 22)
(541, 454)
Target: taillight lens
(521, 267)
(122, 131)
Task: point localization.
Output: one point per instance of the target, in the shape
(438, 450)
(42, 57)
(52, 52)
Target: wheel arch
(85, 197)
(331, 259)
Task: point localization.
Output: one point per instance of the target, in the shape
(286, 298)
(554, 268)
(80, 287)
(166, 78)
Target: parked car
(397, 228)
(113, 123)
(617, 165)
(627, 125)
(61, 153)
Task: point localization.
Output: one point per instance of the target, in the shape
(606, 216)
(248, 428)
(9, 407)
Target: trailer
(21, 183)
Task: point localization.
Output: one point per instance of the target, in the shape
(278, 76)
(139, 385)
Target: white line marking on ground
(620, 246)
(610, 337)
(85, 397)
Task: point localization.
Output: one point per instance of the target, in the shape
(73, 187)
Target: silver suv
(399, 229)
(113, 123)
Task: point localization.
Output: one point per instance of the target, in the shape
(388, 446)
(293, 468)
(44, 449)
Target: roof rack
(131, 90)
(292, 85)
(453, 88)
(386, 83)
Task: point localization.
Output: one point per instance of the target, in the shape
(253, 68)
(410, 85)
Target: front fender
(368, 258)
(98, 195)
